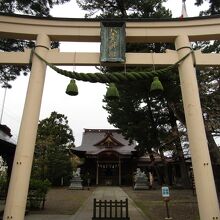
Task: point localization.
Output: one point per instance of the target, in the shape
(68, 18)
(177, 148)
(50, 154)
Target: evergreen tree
(54, 140)
(40, 8)
(214, 7)
(36, 8)
(124, 8)
(153, 127)
(140, 116)
(209, 87)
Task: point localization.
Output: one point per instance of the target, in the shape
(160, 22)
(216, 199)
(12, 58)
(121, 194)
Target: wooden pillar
(97, 173)
(204, 180)
(19, 182)
(119, 171)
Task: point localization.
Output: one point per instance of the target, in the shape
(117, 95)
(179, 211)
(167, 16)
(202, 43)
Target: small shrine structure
(108, 156)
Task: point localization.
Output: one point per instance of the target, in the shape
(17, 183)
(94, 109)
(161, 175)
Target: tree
(150, 121)
(40, 8)
(209, 87)
(124, 8)
(214, 6)
(54, 140)
(128, 109)
(36, 8)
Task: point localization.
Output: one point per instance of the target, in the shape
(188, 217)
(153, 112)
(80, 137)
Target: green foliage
(32, 7)
(29, 7)
(37, 193)
(142, 117)
(214, 7)
(54, 140)
(136, 113)
(10, 72)
(209, 89)
(40, 186)
(3, 184)
(124, 8)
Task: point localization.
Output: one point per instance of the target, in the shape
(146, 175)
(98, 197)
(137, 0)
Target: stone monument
(76, 181)
(140, 179)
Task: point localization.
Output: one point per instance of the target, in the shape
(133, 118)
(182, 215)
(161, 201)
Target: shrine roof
(5, 134)
(96, 141)
(7, 144)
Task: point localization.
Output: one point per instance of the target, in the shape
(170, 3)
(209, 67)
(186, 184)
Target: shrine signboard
(112, 42)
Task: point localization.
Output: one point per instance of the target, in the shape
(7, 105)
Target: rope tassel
(112, 92)
(72, 88)
(156, 86)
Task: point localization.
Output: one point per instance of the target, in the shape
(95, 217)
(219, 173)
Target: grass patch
(182, 205)
(62, 201)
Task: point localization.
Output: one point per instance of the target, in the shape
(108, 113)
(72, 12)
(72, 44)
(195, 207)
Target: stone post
(204, 180)
(20, 177)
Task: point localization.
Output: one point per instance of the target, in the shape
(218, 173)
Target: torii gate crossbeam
(180, 32)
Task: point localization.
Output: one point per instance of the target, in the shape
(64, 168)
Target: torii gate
(180, 32)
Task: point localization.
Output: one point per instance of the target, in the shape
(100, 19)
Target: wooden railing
(110, 210)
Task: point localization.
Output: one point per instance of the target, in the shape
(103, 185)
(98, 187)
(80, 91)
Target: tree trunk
(155, 168)
(165, 169)
(157, 146)
(213, 148)
(183, 168)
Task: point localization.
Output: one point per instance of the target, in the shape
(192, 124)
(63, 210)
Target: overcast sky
(84, 110)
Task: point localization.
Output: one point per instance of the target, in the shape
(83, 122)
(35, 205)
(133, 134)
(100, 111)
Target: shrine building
(110, 159)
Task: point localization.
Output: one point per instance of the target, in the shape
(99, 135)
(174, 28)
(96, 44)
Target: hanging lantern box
(112, 42)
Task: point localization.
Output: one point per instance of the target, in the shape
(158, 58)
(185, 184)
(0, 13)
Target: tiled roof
(5, 134)
(91, 137)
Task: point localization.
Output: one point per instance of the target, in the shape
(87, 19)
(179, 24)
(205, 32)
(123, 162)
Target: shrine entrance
(108, 169)
(178, 32)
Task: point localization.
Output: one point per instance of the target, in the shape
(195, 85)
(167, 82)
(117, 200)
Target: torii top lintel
(88, 30)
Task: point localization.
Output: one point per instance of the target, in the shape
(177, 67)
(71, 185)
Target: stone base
(141, 186)
(75, 187)
(141, 183)
(76, 183)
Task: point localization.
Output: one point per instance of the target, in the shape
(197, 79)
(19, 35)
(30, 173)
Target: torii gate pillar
(18, 187)
(204, 180)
